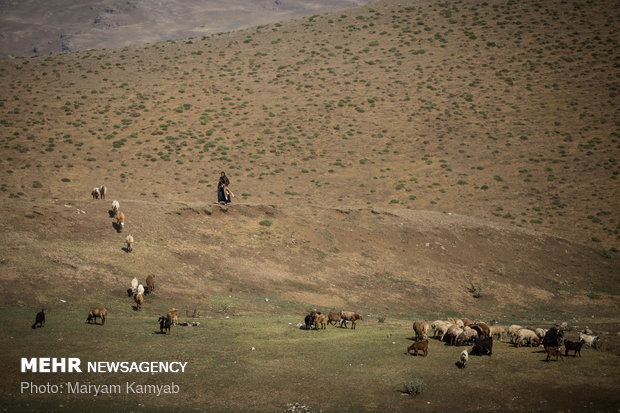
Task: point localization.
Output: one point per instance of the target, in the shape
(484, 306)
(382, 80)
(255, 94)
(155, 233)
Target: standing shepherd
(223, 193)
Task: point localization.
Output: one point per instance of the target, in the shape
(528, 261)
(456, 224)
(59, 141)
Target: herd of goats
(452, 331)
(136, 291)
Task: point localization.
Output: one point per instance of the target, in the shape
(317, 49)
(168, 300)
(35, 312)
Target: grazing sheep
(173, 316)
(120, 221)
(97, 312)
(484, 327)
(483, 346)
(115, 207)
(590, 340)
(320, 321)
(527, 336)
(553, 338)
(164, 324)
(452, 334)
(39, 320)
(140, 289)
(421, 329)
(139, 299)
(571, 345)
(541, 332)
(463, 359)
(467, 336)
(95, 193)
(349, 316)
(441, 327)
(466, 321)
(498, 332)
(134, 285)
(150, 284)
(554, 352)
(421, 345)
(512, 332)
(129, 241)
(333, 318)
(102, 191)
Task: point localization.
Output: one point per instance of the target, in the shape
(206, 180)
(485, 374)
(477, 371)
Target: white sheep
(141, 289)
(440, 327)
(134, 285)
(115, 207)
(540, 332)
(497, 331)
(512, 332)
(590, 340)
(463, 359)
(466, 336)
(453, 333)
(129, 241)
(95, 193)
(102, 191)
(525, 335)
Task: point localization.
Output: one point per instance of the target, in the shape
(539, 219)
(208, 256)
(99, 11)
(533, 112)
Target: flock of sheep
(464, 331)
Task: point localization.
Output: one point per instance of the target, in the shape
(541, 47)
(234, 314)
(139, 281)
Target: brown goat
(150, 284)
(320, 321)
(421, 345)
(554, 352)
(349, 316)
(120, 220)
(95, 312)
(139, 299)
(333, 318)
(173, 316)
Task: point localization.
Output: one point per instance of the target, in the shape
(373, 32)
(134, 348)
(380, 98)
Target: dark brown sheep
(97, 312)
(421, 345)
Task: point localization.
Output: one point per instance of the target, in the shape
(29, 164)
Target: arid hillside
(406, 160)
(506, 111)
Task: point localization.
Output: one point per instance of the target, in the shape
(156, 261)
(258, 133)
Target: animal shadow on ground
(111, 213)
(126, 249)
(160, 332)
(117, 227)
(135, 308)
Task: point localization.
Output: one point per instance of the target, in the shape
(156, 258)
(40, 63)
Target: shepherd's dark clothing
(221, 195)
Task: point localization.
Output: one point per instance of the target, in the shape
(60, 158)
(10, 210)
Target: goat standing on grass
(164, 324)
(139, 299)
(102, 191)
(97, 312)
(39, 320)
(150, 284)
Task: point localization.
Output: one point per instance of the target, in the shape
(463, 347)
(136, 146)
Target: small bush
(265, 223)
(414, 387)
(381, 319)
(475, 290)
(66, 180)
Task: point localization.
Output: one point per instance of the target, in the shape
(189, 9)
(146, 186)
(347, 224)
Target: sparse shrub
(381, 319)
(414, 387)
(66, 180)
(265, 223)
(475, 290)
